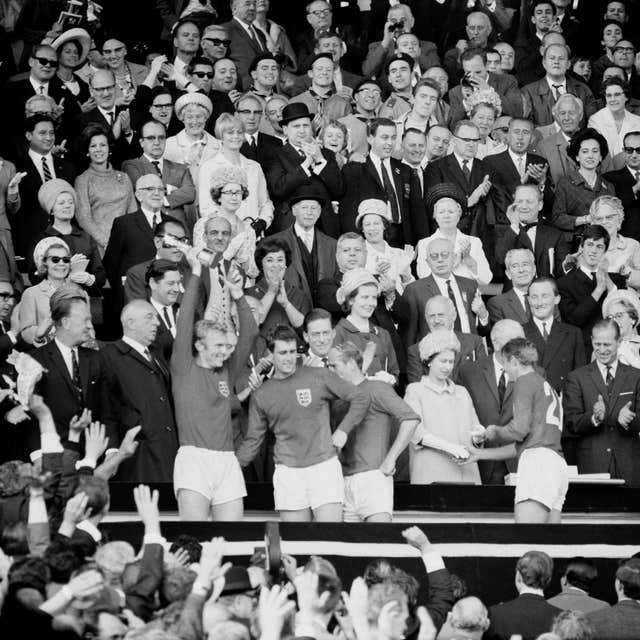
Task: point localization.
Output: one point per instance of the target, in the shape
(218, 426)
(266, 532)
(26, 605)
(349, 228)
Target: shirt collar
(149, 215)
(157, 305)
(34, 155)
(449, 387)
(443, 281)
(548, 323)
(563, 84)
(515, 157)
(497, 366)
(107, 112)
(152, 160)
(460, 160)
(88, 527)
(134, 344)
(36, 84)
(302, 233)
(603, 368)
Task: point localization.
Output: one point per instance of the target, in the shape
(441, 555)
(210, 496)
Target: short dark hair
(627, 135)
(160, 91)
(537, 3)
(523, 350)
(199, 60)
(62, 301)
(97, 490)
(14, 539)
(158, 268)
(427, 82)
(628, 574)
(62, 558)
(536, 569)
(316, 314)
(604, 324)
(271, 245)
(376, 123)
(90, 132)
(161, 227)
(282, 333)
(215, 62)
(581, 573)
(543, 280)
(349, 351)
(190, 544)
(409, 130)
(616, 82)
(33, 121)
(471, 53)
(595, 232)
(588, 133)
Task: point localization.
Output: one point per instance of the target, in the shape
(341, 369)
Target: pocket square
(625, 393)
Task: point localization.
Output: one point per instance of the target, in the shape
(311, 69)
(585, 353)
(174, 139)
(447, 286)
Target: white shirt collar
(88, 527)
(603, 368)
(36, 84)
(303, 233)
(587, 272)
(160, 309)
(550, 82)
(152, 160)
(149, 215)
(548, 323)
(134, 344)
(65, 351)
(460, 160)
(107, 113)
(515, 157)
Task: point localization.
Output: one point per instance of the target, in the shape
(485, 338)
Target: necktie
(466, 171)
(556, 91)
(253, 143)
(256, 38)
(527, 307)
(46, 170)
(325, 361)
(545, 333)
(111, 118)
(416, 176)
(636, 173)
(452, 297)
(155, 221)
(502, 388)
(307, 238)
(75, 375)
(391, 194)
(167, 318)
(521, 168)
(608, 379)
(41, 89)
(156, 166)
(593, 277)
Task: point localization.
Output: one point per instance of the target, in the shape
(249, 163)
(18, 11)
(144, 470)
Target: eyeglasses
(468, 139)
(5, 295)
(503, 129)
(233, 194)
(618, 316)
(109, 87)
(163, 105)
(631, 150)
(617, 94)
(203, 74)
(57, 259)
(154, 138)
(319, 13)
(46, 62)
(216, 42)
(153, 189)
(249, 112)
(624, 50)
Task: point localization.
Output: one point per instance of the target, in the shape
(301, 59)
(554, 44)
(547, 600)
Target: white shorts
(543, 477)
(214, 474)
(366, 494)
(296, 488)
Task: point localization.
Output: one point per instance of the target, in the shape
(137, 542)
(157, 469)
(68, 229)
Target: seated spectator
(319, 16)
(104, 194)
(335, 137)
(513, 304)
(257, 146)
(270, 124)
(438, 141)
(577, 190)
(623, 307)
(224, 90)
(614, 121)
(193, 145)
(576, 582)
(447, 416)
(128, 75)
(440, 314)
(161, 109)
(256, 208)
(384, 262)
(483, 109)
(215, 42)
(343, 81)
(529, 614)
(581, 68)
(447, 203)
(612, 33)
(493, 61)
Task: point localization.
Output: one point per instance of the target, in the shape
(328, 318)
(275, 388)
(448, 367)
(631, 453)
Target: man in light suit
(601, 401)
(181, 192)
(408, 310)
(247, 42)
(540, 96)
(440, 313)
(513, 304)
(577, 580)
(491, 393)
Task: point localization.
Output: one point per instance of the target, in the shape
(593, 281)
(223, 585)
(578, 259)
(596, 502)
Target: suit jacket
(506, 87)
(326, 267)
(471, 350)
(163, 343)
(130, 243)
(560, 354)
(409, 309)
(507, 306)
(244, 49)
(58, 392)
(285, 176)
(554, 151)
(267, 145)
(571, 599)
(362, 181)
(174, 175)
(623, 182)
(539, 99)
(607, 447)
(528, 615)
(31, 220)
(619, 622)
(551, 248)
(141, 395)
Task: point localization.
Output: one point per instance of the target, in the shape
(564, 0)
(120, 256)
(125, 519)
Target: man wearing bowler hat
(303, 163)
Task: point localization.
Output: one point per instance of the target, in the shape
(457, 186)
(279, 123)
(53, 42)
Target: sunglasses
(202, 74)
(631, 150)
(46, 62)
(57, 259)
(216, 42)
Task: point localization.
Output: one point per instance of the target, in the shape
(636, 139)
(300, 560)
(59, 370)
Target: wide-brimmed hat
(352, 280)
(79, 35)
(446, 190)
(295, 111)
(193, 98)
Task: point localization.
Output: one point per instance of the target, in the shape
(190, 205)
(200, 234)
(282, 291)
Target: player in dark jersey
(533, 435)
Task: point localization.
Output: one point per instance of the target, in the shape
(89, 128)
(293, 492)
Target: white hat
(78, 34)
(375, 206)
(351, 281)
(436, 342)
(621, 295)
(193, 98)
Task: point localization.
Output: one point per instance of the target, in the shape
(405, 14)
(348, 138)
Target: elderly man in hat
(313, 254)
(303, 163)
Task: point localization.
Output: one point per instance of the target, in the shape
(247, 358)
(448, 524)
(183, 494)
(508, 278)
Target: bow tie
(526, 227)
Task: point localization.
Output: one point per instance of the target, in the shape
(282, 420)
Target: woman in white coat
(470, 259)
(613, 121)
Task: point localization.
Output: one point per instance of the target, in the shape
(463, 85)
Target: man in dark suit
(601, 401)
(302, 163)
(164, 282)
(513, 304)
(473, 176)
(622, 620)
(379, 177)
(577, 582)
(313, 254)
(474, 66)
(257, 146)
(547, 244)
(131, 240)
(40, 165)
(583, 290)
(409, 309)
(180, 190)
(440, 313)
(247, 42)
(626, 182)
(529, 614)
(140, 387)
(491, 392)
(540, 96)
(74, 378)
